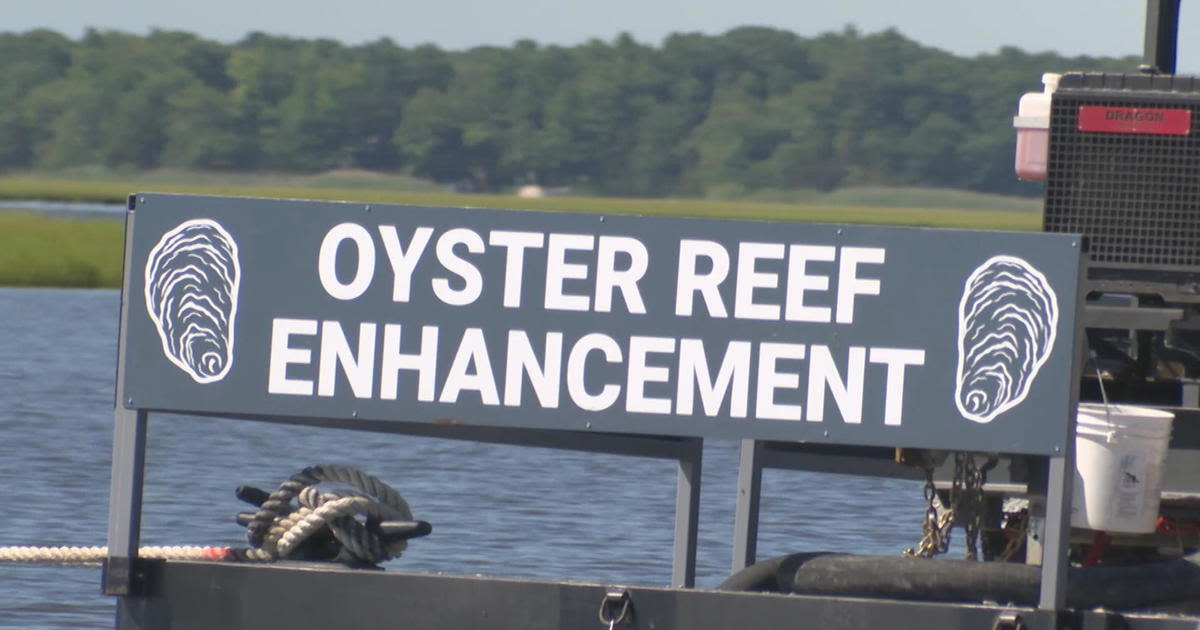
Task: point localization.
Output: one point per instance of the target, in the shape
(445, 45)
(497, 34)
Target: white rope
(304, 522)
(279, 527)
(96, 555)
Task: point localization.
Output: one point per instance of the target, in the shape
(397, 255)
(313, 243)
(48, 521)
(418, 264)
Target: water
(496, 510)
(65, 208)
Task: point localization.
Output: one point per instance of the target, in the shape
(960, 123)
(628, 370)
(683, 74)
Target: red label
(1173, 122)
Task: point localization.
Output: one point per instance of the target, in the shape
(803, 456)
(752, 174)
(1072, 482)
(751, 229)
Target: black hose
(945, 580)
(762, 576)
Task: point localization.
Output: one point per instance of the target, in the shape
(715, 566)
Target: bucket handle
(1112, 434)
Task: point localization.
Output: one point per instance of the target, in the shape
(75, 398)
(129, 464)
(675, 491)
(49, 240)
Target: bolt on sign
(647, 325)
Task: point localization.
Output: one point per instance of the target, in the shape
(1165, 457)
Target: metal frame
(1162, 35)
(687, 452)
(127, 576)
(129, 456)
(128, 460)
(756, 455)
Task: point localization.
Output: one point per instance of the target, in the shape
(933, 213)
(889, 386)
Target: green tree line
(698, 115)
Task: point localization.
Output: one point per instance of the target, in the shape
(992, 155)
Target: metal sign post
(128, 465)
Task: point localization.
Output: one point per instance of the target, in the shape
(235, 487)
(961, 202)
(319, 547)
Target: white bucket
(1119, 455)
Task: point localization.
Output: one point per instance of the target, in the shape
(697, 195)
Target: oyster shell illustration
(1007, 320)
(192, 281)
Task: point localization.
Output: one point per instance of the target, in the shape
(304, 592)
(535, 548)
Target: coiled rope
(280, 528)
(320, 526)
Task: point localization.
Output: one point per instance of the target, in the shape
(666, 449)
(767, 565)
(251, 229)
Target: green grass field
(38, 250)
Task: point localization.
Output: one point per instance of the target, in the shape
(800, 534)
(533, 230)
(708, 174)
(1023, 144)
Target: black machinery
(1123, 169)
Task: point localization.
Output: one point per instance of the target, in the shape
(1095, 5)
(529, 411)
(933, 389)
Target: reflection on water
(496, 510)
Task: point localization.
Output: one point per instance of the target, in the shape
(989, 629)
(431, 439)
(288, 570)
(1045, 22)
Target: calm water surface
(496, 510)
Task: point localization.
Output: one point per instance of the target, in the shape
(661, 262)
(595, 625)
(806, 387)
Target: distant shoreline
(63, 232)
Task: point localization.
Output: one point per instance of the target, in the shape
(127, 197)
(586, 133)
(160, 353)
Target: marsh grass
(41, 251)
(50, 251)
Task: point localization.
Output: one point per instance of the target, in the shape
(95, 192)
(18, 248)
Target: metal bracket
(615, 607)
(1009, 620)
(123, 576)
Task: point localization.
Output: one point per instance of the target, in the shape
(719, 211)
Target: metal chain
(1016, 524)
(935, 527)
(966, 508)
(969, 508)
(976, 478)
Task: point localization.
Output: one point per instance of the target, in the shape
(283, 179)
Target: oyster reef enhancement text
(811, 284)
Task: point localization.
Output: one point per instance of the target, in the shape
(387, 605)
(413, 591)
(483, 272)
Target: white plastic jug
(1033, 130)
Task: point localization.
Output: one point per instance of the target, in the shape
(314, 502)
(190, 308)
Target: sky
(964, 27)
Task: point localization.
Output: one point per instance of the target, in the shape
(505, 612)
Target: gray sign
(695, 327)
